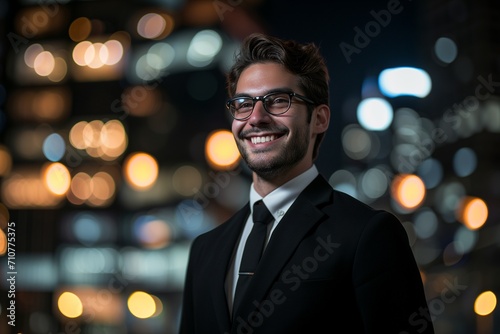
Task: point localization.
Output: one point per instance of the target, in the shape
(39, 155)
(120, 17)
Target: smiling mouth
(263, 139)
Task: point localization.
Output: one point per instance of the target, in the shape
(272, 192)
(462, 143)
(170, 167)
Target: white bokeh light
(409, 81)
(375, 114)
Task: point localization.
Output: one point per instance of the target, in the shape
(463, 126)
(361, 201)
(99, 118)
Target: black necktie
(253, 250)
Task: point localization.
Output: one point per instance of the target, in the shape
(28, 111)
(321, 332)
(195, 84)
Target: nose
(259, 114)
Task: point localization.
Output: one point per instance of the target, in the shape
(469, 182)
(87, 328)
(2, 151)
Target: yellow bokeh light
(5, 161)
(472, 212)
(485, 303)
(141, 304)
(408, 190)
(4, 216)
(76, 135)
(81, 186)
(44, 63)
(92, 133)
(3, 243)
(141, 170)
(80, 51)
(70, 305)
(57, 178)
(114, 52)
(113, 135)
(26, 188)
(80, 29)
(106, 141)
(60, 70)
(96, 55)
(159, 306)
(221, 150)
(103, 189)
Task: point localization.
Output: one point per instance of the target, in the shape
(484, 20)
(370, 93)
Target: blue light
(464, 162)
(87, 229)
(54, 147)
(408, 81)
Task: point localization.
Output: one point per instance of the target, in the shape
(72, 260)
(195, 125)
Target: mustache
(277, 129)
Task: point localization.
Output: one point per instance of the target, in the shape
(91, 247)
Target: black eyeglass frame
(263, 98)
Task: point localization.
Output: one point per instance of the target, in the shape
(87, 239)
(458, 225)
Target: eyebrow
(274, 90)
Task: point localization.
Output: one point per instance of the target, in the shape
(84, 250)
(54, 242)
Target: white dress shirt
(278, 202)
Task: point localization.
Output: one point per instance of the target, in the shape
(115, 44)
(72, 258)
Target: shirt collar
(280, 199)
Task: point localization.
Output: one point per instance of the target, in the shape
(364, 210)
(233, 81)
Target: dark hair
(303, 60)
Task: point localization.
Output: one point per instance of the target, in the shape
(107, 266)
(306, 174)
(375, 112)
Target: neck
(265, 184)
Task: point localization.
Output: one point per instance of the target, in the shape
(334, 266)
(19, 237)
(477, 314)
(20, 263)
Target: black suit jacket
(332, 265)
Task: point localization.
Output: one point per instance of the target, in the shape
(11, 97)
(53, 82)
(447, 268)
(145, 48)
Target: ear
(321, 120)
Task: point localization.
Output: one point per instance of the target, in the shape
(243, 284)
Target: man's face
(273, 145)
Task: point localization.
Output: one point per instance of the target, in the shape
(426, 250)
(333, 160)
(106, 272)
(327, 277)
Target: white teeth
(257, 140)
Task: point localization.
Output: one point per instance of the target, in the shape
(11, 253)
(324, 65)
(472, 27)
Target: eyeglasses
(274, 103)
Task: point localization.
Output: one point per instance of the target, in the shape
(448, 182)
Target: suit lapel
(225, 248)
(299, 219)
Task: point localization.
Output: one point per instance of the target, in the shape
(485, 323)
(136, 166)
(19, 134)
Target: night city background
(115, 150)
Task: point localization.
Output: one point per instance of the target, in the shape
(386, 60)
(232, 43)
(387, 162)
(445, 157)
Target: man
(330, 264)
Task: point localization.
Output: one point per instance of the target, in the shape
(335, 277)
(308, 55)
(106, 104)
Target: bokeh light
(54, 147)
(472, 212)
(57, 178)
(47, 104)
(4, 216)
(80, 29)
(70, 305)
(140, 170)
(464, 162)
(445, 50)
(408, 81)
(87, 228)
(155, 25)
(345, 181)
(374, 183)
(203, 48)
(3, 243)
(96, 55)
(44, 63)
(408, 191)
(27, 188)
(141, 304)
(356, 142)
(60, 70)
(221, 150)
(485, 303)
(153, 232)
(106, 141)
(465, 240)
(31, 53)
(5, 161)
(375, 114)
(431, 172)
